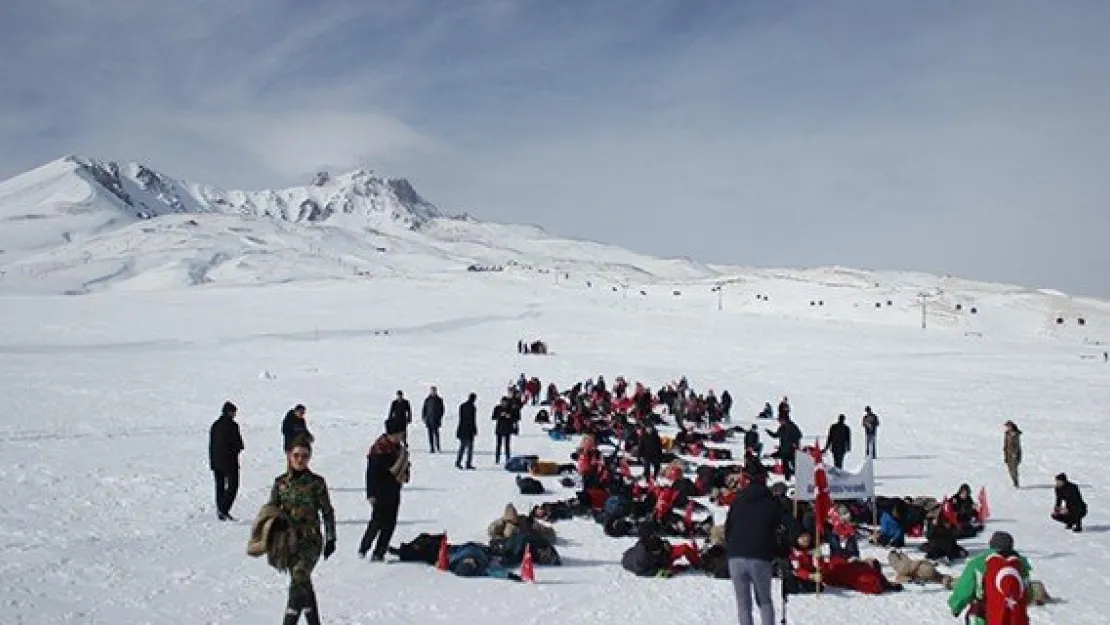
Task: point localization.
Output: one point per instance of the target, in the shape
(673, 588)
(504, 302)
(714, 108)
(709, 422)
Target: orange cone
(527, 567)
(984, 507)
(441, 561)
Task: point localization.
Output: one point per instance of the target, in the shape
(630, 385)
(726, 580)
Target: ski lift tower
(924, 297)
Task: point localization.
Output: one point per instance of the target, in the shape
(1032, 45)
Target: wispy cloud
(969, 138)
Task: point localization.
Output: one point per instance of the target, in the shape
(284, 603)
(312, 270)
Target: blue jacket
(890, 531)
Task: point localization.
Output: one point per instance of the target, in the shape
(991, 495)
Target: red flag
(1004, 591)
(688, 518)
(815, 452)
(822, 503)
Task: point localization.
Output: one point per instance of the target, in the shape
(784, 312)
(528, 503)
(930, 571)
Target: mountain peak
(358, 198)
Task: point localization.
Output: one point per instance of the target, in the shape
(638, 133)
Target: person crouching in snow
(890, 532)
(992, 587)
(1070, 507)
(652, 556)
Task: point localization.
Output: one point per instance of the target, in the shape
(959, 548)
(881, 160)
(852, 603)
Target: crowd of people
(765, 533)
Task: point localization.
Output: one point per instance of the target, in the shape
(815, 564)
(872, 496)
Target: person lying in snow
(511, 523)
(652, 556)
(838, 572)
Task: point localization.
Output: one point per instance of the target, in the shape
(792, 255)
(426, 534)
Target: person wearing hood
(1011, 451)
(225, 443)
(751, 531)
(387, 470)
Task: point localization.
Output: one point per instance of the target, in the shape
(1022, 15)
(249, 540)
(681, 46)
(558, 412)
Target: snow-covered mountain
(79, 225)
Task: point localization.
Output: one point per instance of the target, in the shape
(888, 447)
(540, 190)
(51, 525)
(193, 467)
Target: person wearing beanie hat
(387, 471)
(225, 443)
(979, 587)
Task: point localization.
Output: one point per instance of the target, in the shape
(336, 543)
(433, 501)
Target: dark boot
(311, 611)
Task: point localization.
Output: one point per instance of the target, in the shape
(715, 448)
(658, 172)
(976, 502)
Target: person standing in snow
(432, 415)
(651, 452)
(1011, 451)
(1070, 507)
(387, 470)
(467, 431)
(870, 431)
(224, 446)
(302, 496)
(751, 536)
(504, 428)
(839, 441)
(294, 426)
(400, 411)
(789, 436)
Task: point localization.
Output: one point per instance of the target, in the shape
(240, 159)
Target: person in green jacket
(967, 594)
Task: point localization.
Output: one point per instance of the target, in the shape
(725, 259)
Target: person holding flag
(993, 586)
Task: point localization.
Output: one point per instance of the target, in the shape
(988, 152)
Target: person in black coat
(790, 439)
(752, 529)
(294, 425)
(839, 441)
(505, 419)
(387, 470)
(400, 411)
(224, 445)
(1070, 507)
(467, 431)
(432, 415)
(651, 452)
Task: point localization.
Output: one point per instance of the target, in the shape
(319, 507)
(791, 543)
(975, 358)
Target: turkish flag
(1004, 591)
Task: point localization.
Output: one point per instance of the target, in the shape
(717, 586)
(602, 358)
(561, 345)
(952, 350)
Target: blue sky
(970, 138)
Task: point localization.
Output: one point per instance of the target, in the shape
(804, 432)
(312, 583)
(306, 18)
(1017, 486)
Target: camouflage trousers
(301, 593)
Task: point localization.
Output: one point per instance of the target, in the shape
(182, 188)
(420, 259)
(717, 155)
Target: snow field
(108, 513)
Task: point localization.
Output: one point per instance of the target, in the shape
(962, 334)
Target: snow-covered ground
(107, 513)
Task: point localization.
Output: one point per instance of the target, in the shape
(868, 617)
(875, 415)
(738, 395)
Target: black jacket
(506, 420)
(1069, 495)
(293, 426)
(651, 446)
(432, 412)
(753, 523)
(840, 438)
(401, 411)
(380, 481)
(224, 444)
(789, 435)
(468, 421)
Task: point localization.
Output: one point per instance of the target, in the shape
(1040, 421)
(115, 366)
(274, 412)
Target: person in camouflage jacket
(303, 498)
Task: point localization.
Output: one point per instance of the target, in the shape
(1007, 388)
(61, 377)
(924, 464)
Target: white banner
(842, 484)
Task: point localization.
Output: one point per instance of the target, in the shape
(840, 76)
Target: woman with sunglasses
(303, 498)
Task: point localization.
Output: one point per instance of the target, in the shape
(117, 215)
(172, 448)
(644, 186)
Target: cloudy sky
(958, 137)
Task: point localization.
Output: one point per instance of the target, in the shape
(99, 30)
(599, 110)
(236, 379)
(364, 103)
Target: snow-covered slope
(78, 226)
